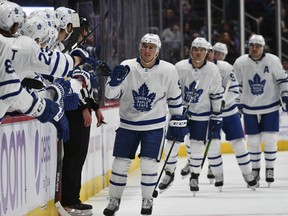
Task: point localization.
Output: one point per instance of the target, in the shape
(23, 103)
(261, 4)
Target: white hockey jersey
(11, 91)
(229, 78)
(261, 83)
(144, 95)
(208, 95)
(28, 58)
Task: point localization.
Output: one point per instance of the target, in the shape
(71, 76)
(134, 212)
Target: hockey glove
(177, 128)
(215, 125)
(102, 69)
(71, 101)
(118, 74)
(62, 125)
(284, 103)
(83, 76)
(80, 53)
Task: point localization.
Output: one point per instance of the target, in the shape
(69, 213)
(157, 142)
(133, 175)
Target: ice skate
(269, 176)
(79, 210)
(194, 183)
(166, 181)
(219, 182)
(250, 180)
(186, 170)
(147, 205)
(210, 175)
(112, 207)
(256, 174)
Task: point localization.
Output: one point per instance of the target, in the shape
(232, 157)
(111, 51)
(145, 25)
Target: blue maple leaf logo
(142, 99)
(189, 95)
(39, 26)
(256, 85)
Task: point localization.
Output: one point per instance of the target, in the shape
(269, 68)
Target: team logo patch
(143, 99)
(188, 93)
(257, 85)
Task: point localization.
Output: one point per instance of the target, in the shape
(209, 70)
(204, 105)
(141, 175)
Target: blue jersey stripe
(56, 64)
(145, 122)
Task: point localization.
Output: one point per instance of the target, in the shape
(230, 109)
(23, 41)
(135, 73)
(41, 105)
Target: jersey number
(45, 55)
(8, 66)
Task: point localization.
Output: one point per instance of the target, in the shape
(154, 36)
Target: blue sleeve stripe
(177, 98)
(66, 68)
(7, 82)
(56, 64)
(145, 122)
(175, 106)
(11, 94)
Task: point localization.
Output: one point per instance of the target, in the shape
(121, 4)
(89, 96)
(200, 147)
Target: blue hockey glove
(177, 128)
(71, 101)
(118, 74)
(62, 125)
(80, 53)
(215, 125)
(284, 103)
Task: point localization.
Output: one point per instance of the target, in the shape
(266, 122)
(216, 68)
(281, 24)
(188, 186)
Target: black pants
(75, 152)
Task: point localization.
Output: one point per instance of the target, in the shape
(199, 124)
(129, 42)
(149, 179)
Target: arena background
(28, 148)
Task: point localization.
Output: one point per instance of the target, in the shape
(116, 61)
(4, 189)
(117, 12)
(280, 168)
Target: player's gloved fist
(61, 123)
(71, 101)
(84, 55)
(118, 74)
(43, 109)
(285, 103)
(177, 128)
(103, 69)
(215, 125)
(64, 83)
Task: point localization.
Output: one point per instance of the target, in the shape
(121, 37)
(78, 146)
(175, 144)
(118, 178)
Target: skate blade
(219, 188)
(211, 181)
(185, 176)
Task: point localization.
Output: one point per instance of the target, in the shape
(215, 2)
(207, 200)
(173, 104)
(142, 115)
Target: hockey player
(201, 87)
(144, 85)
(232, 126)
(13, 95)
(263, 82)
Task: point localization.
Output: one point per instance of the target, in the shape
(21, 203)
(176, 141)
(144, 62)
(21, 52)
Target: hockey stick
(283, 105)
(57, 198)
(207, 147)
(155, 192)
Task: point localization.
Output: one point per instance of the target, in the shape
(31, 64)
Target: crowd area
(47, 73)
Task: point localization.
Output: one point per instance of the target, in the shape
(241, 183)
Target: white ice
(234, 200)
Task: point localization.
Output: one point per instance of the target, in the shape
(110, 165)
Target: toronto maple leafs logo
(257, 85)
(142, 98)
(190, 93)
(39, 26)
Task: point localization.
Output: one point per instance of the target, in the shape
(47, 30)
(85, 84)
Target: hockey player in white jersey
(144, 85)
(263, 82)
(232, 126)
(203, 105)
(13, 95)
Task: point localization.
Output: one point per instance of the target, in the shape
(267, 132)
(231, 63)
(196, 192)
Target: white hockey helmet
(10, 13)
(66, 16)
(209, 46)
(151, 38)
(49, 15)
(220, 47)
(257, 39)
(200, 42)
(36, 27)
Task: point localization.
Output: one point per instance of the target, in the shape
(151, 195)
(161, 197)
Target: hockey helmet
(36, 27)
(49, 15)
(10, 13)
(257, 39)
(151, 38)
(220, 47)
(66, 16)
(200, 42)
